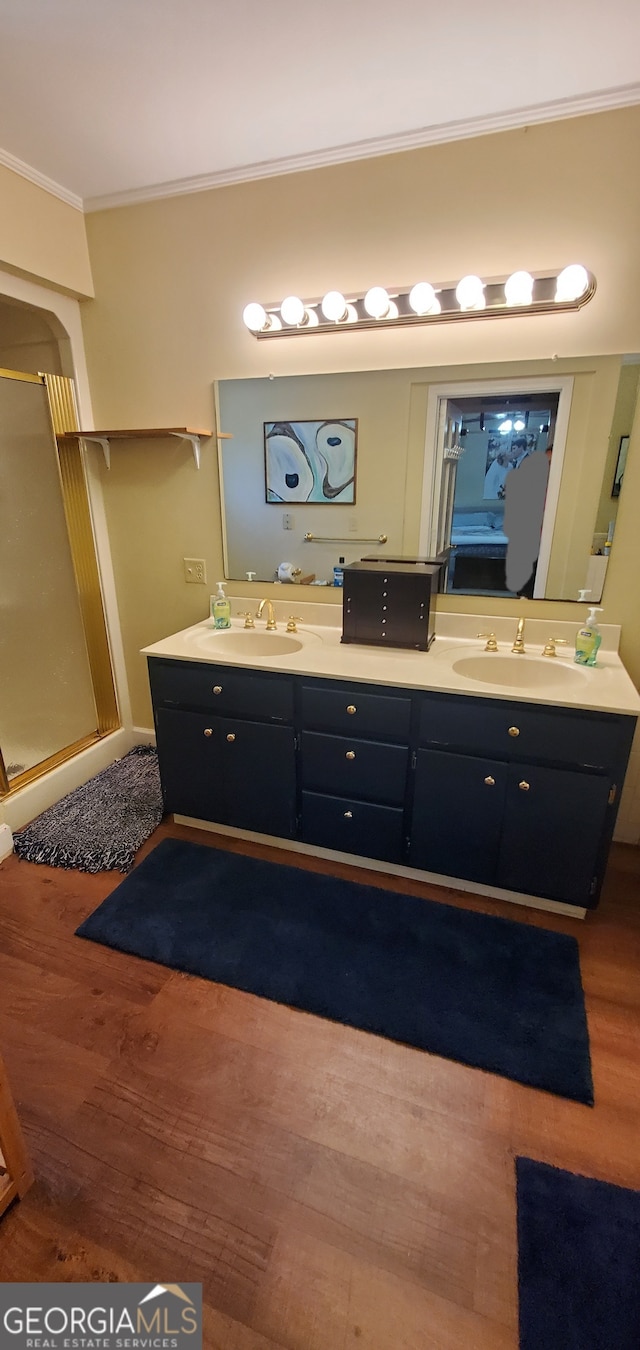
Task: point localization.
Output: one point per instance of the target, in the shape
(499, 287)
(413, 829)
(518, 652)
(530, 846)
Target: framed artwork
(620, 466)
(311, 461)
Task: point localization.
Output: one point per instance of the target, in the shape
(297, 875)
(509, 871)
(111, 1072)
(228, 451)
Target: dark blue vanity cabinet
(517, 795)
(521, 797)
(226, 745)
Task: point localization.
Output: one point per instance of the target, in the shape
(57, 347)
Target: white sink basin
(519, 671)
(249, 642)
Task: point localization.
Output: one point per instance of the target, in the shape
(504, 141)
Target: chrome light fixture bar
(471, 298)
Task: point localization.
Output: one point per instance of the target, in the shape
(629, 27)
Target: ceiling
(118, 100)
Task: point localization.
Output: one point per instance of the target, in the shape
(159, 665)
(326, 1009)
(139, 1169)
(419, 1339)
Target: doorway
(477, 434)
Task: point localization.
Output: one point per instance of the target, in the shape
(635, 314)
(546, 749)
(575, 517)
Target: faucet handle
(492, 645)
(550, 645)
(248, 618)
(292, 621)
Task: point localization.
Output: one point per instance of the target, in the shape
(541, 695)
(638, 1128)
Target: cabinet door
(189, 755)
(554, 820)
(457, 814)
(259, 777)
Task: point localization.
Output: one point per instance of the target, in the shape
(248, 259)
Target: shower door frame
(63, 416)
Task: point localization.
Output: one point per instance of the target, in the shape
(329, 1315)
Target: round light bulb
(334, 306)
(255, 317)
(519, 425)
(572, 282)
(505, 427)
(470, 293)
(292, 310)
(518, 289)
(376, 302)
(423, 299)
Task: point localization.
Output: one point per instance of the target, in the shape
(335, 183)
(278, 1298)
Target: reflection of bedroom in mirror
(495, 482)
(414, 493)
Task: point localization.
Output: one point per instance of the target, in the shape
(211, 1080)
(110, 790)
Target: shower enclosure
(57, 693)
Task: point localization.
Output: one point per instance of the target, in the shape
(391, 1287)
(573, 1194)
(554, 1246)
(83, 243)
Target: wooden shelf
(192, 434)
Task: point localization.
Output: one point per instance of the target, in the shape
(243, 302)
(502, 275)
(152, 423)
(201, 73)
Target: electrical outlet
(287, 520)
(195, 570)
(353, 524)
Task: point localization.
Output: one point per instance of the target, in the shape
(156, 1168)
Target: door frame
(438, 396)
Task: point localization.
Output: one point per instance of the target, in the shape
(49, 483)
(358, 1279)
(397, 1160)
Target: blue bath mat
(578, 1261)
(490, 992)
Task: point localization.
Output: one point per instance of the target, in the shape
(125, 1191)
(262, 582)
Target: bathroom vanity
(403, 759)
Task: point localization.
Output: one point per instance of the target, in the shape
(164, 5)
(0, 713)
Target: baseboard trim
(391, 869)
(6, 842)
(22, 806)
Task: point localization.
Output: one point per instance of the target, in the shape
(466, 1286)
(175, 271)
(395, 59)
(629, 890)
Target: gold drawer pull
(351, 754)
(208, 731)
(524, 786)
(490, 782)
(348, 815)
(217, 688)
(352, 708)
(514, 731)
(231, 736)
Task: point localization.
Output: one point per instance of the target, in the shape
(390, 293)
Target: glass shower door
(47, 702)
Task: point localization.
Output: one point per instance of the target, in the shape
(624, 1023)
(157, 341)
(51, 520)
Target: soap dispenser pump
(588, 639)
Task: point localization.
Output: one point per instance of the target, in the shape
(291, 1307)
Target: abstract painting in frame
(311, 461)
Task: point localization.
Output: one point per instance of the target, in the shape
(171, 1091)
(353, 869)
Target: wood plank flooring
(328, 1188)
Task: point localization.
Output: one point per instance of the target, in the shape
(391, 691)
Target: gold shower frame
(75, 495)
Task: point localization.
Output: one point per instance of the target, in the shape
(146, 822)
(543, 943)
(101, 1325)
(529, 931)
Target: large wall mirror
(415, 462)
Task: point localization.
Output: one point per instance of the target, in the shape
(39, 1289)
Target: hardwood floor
(328, 1188)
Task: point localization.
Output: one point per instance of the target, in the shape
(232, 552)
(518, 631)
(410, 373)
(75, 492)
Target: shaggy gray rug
(99, 826)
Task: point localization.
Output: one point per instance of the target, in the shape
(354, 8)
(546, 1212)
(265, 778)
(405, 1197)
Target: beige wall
(173, 276)
(621, 424)
(42, 237)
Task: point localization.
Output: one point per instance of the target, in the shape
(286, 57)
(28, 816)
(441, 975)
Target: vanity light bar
(471, 298)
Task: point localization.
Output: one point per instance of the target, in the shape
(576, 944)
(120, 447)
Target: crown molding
(605, 100)
(40, 179)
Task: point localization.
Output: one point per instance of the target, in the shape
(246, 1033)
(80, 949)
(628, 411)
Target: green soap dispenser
(220, 608)
(588, 639)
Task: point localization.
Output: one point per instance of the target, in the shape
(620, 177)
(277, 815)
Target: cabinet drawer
(355, 712)
(352, 826)
(523, 731)
(354, 768)
(225, 689)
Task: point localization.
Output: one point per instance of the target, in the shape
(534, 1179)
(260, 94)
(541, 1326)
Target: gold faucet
(518, 645)
(271, 618)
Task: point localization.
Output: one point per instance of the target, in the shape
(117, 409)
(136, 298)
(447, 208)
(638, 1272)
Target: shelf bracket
(195, 444)
(106, 448)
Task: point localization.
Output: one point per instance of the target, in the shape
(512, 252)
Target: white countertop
(555, 681)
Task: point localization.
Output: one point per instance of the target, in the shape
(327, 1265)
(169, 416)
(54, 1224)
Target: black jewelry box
(390, 604)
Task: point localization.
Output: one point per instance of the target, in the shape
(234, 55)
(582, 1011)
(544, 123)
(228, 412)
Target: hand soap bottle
(588, 639)
(220, 608)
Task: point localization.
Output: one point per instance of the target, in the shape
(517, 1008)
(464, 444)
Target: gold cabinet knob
(514, 731)
(208, 731)
(231, 736)
(524, 786)
(352, 708)
(490, 782)
(351, 754)
(217, 688)
(348, 815)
